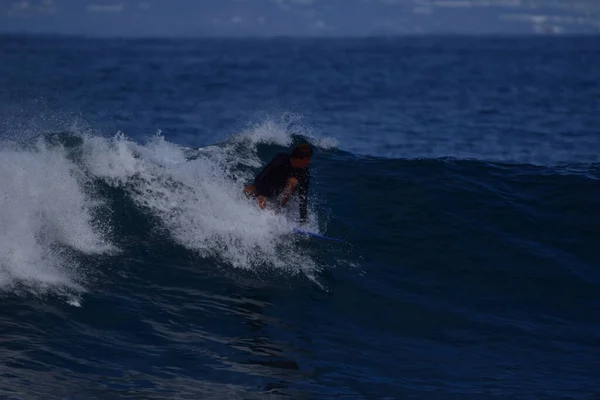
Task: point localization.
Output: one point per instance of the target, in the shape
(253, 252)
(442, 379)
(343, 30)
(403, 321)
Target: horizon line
(292, 36)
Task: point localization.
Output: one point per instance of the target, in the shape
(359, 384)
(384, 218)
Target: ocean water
(462, 173)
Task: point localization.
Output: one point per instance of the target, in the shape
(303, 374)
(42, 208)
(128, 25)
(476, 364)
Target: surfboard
(315, 235)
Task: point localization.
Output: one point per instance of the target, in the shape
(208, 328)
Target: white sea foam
(44, 211)
(199, 201)
(277, 131)
(47, 210)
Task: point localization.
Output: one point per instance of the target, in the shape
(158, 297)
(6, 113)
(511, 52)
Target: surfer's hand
(262, 202)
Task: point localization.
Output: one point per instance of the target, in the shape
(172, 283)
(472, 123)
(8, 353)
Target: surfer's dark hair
(304, 150)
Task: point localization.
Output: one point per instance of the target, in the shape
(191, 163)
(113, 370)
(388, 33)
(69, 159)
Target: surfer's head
(301, 155)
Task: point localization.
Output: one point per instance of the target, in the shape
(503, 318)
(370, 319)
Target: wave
(64, 196)
(70, 199)
(46, 212)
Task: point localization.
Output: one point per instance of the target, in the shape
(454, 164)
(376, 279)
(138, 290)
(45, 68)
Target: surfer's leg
(290, 189)
(292, 186)
(250, 190)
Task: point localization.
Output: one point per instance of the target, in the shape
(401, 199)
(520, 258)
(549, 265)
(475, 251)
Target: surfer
(285, 175)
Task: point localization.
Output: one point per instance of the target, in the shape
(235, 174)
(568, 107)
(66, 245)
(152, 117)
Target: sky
(194, 18)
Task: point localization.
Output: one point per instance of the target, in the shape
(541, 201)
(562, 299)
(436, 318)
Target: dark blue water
(463, 174)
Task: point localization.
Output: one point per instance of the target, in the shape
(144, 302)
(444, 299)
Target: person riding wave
(284, 176)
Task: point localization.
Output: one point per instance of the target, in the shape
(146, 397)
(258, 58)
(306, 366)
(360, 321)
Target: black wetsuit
(273, 178)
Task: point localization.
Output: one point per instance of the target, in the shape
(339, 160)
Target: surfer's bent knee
(293, 183)
(250, 190)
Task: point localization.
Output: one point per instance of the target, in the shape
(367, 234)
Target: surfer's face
(300, 162)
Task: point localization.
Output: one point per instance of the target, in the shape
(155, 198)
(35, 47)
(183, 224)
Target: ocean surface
(463, 175)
